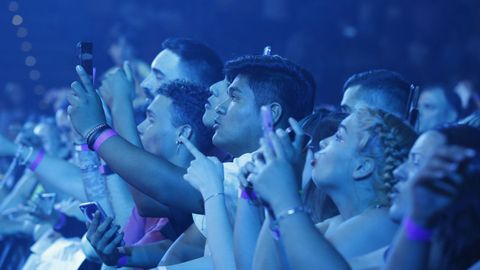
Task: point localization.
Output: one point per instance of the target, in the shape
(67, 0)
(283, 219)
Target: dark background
(426, 41)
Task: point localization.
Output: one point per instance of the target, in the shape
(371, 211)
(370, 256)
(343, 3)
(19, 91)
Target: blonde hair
(388, 140)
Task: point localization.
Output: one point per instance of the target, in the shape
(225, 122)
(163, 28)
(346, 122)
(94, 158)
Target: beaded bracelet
(94, 135)
(93, 130)
(291, 211)
(213, 195)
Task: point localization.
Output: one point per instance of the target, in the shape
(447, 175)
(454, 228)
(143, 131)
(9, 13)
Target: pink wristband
(38, 158)
(122, 261)
(107, 134)
(415, 232)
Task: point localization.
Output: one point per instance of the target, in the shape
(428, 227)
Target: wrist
(416, 231)
(122, 261)
(285, 202)
(421, 219)
(119, 103)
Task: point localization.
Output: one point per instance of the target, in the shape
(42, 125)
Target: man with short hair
(437, 106)
(380, 89)
(183, 58)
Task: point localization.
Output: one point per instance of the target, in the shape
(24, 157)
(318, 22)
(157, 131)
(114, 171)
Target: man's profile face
(157, 133)
(434, 110)
(166, 66)
(238, 125)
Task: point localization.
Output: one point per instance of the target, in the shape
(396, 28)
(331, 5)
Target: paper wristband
(107, 134)
(122, 261)
(415, 232)
(38, 158)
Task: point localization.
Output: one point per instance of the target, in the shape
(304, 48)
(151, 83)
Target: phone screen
(85, 56)
(89, 208)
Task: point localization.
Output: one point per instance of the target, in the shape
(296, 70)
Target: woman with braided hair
(355, 168)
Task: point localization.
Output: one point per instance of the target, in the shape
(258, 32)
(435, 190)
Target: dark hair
(319, 125)
(457, 237)
(188, 106)
(276, 79)
(203, 62)
(452, 98)
(387, 90)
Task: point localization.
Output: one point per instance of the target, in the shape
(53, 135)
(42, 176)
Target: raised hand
(106, 240)
(435, 185)
(276, 178)
(85, 108)
(204, 173)
(118, 85)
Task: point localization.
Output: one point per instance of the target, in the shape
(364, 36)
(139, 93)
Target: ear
(185, 131)
(364, 167)
(277, 112)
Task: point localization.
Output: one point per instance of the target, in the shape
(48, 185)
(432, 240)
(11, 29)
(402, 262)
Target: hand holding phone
(85, 56)
(90, 208)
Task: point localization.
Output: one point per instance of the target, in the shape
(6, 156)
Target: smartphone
(90, 208)
(45, 202)
(267, 122)
(85, 56)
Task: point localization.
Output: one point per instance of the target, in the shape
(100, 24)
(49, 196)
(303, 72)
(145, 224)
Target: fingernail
(78, 68)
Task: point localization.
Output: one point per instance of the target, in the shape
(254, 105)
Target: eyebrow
(342, 126)
(158, 71)
(150, 112)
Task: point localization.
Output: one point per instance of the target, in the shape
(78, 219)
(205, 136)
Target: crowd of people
(205, 164)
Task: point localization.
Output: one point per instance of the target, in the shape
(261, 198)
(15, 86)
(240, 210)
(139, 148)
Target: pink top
(143, 230)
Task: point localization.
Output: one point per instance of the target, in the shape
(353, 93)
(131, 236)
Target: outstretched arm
(151, 175)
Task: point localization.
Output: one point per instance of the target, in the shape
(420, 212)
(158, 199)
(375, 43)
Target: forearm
(21, 193)
(124, 120)
(147, 256)
(267, 255)
(189, 246)
(408, 254)
(220, 233)
(63, 176)
(315, 249)
(203, 263)
(151, 175)
(248, 222)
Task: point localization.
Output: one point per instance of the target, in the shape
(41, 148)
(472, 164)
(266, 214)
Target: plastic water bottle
(93, 180)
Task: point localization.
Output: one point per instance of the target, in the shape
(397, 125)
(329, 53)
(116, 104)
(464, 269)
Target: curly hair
(188, 106)
(388, 140)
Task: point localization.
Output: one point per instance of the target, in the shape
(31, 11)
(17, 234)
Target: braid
(389, 141)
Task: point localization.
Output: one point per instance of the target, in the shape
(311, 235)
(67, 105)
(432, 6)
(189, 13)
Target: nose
(141, 127)
(221, 108)
(400, 173)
